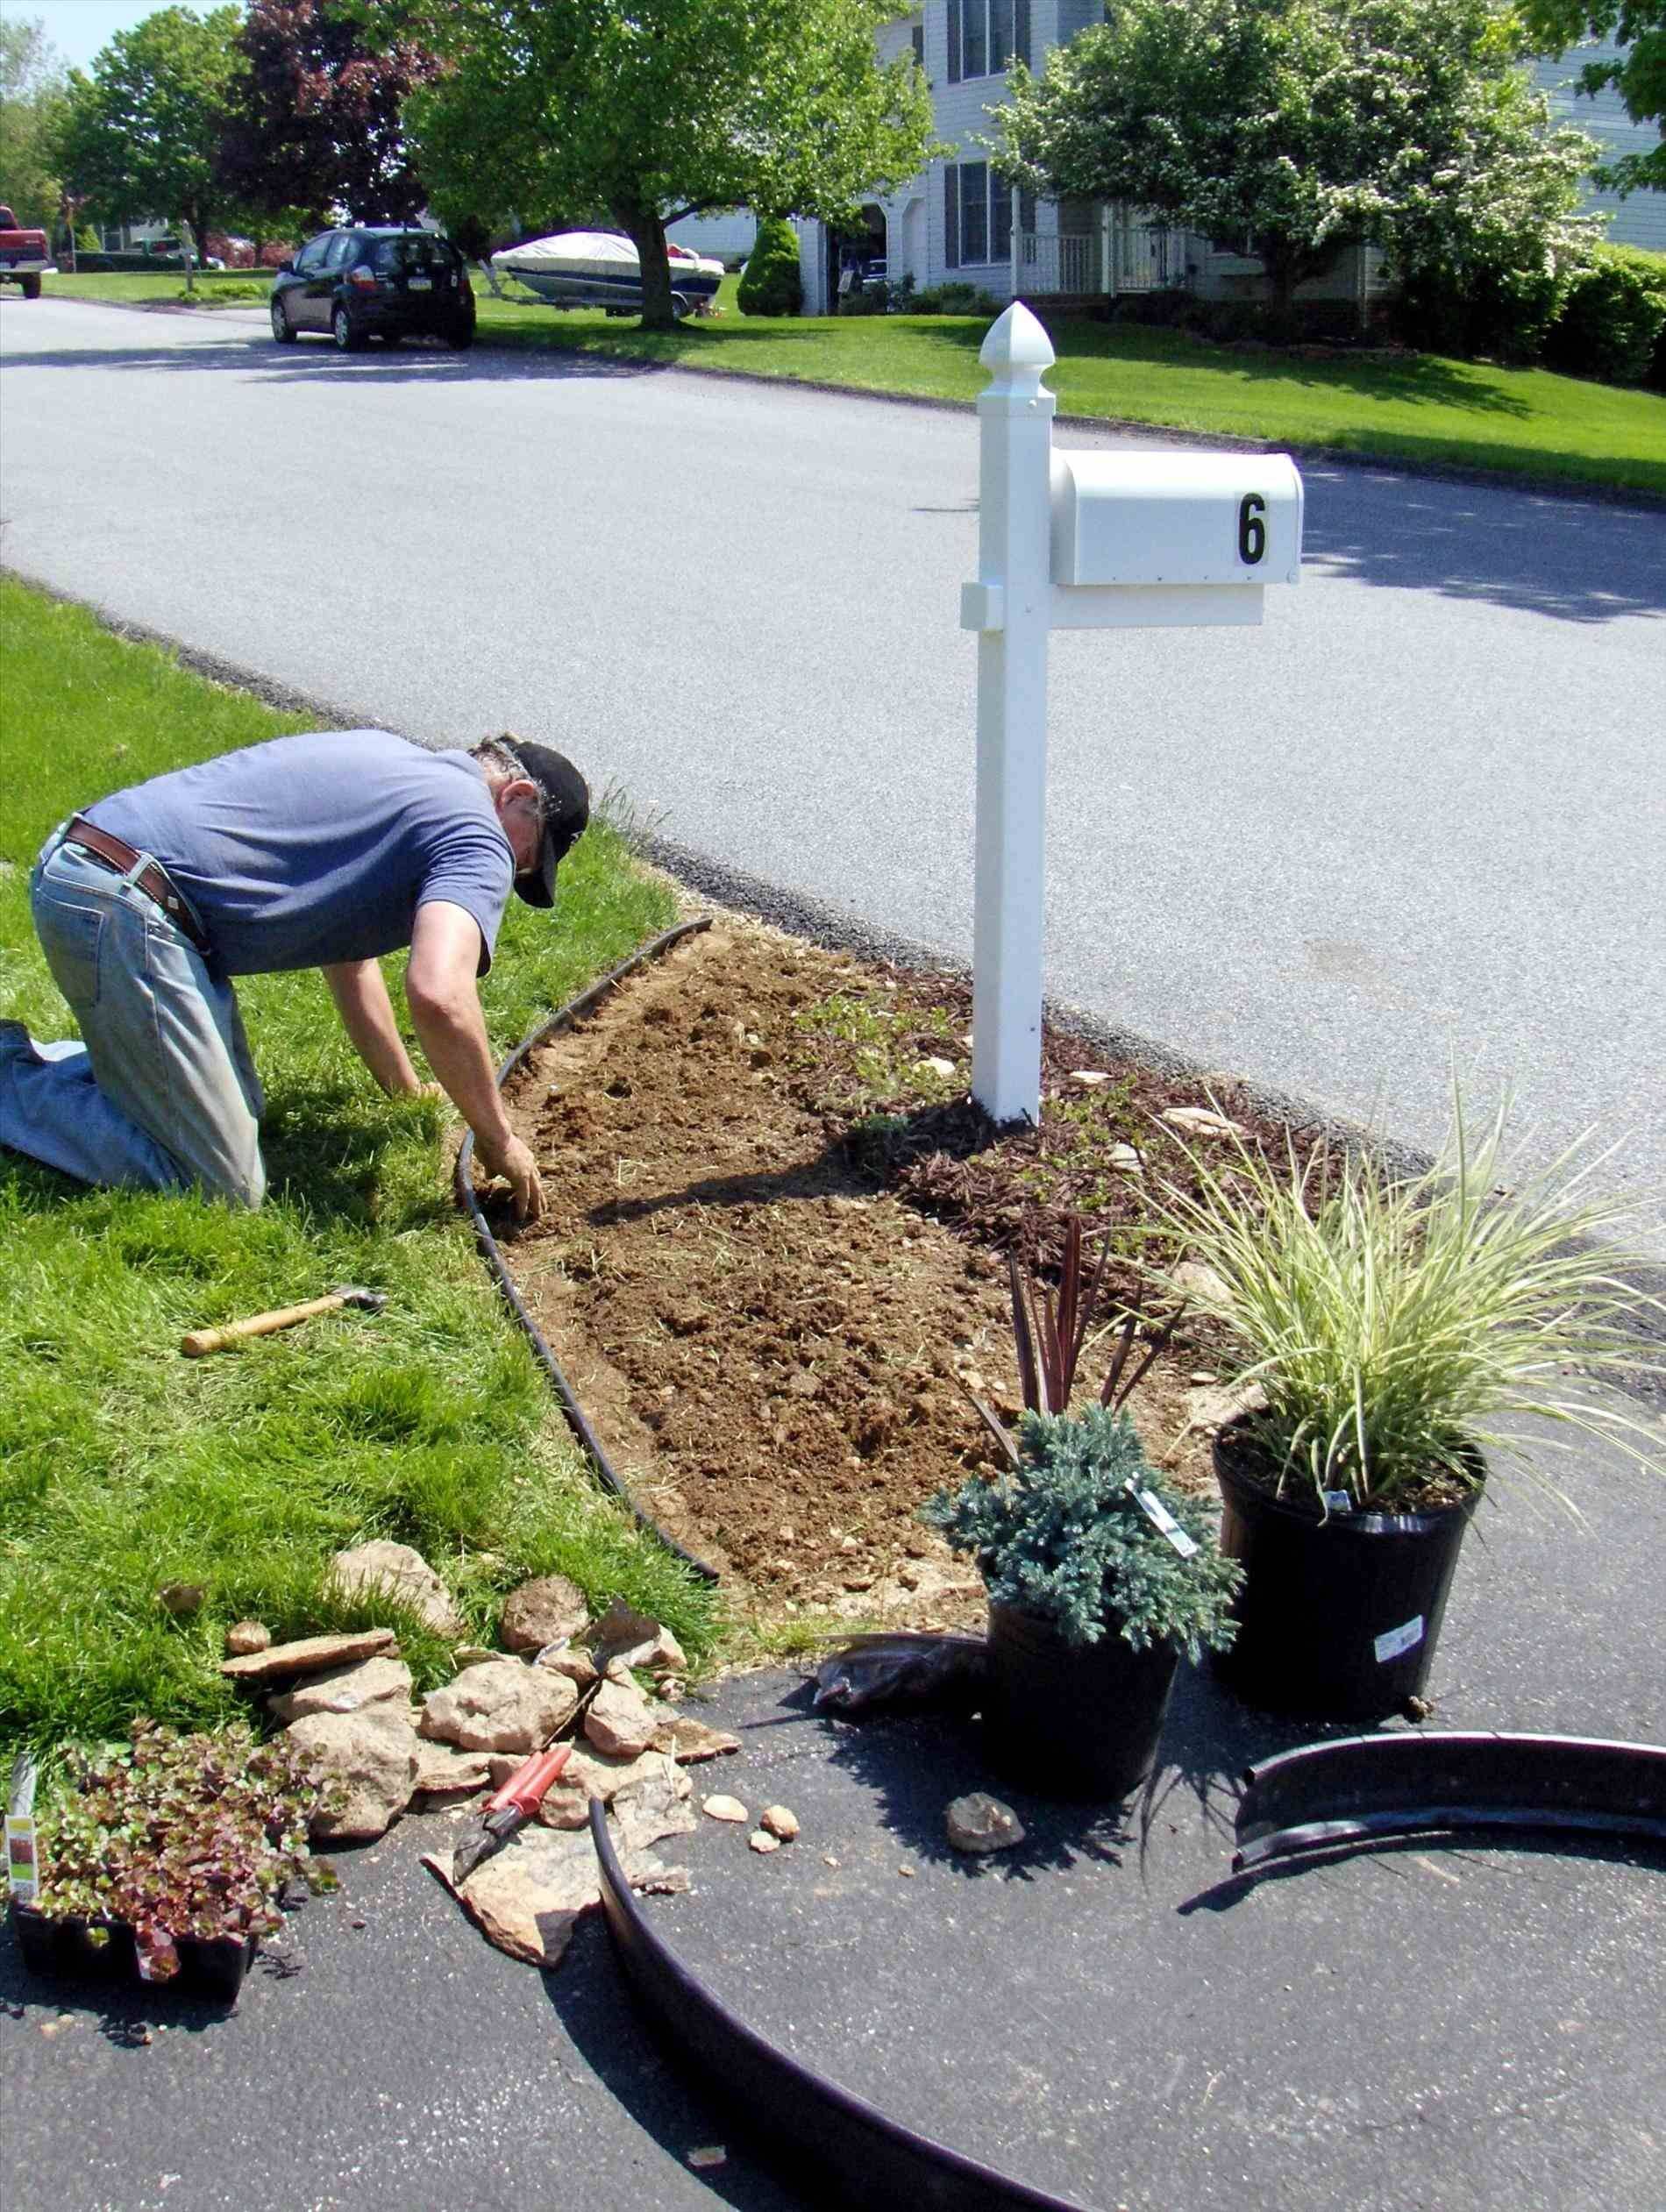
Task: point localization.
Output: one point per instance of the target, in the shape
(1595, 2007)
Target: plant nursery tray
(211, 1968)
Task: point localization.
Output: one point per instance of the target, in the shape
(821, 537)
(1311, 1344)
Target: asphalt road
(1418, 820)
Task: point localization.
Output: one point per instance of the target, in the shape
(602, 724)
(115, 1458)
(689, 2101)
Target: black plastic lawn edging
(843, 2150)
(1365, 1789)
(577, 1420)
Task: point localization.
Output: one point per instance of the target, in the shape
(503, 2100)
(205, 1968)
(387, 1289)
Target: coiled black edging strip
(577, 1420)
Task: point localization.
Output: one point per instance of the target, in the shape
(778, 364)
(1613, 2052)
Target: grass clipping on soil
(775, 1238)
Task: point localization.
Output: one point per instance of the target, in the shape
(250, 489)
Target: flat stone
(505, 1705)
(396, 1571)
(1203, 1122)
(621, 1628)
(979, 1823)
(722, 1808)
(372, 1756)
(442, 1771)
(472, 1655)
(247, 1637)
(1202, 1285)
(1125, 1160)
(548, 1609)
(688, 1741)
(1090, 1079)
(934, 1065)
(619, 1720)
(528, 1898)
(345, 1689)
(311, 1655)
(564, 1659)
(761, 1840)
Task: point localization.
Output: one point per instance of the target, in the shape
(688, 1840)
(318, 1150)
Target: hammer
(200, 1340)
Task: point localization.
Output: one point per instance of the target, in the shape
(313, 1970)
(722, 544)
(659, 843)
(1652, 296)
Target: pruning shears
(507, 1810)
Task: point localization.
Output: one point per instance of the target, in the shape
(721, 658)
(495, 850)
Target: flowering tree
(315, 126)
(1298, 126)
(645, 110)
(1638, 73)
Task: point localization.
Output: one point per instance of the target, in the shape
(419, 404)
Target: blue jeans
(161, 1093)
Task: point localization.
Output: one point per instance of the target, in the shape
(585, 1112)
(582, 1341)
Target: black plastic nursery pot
(1336, 1617)
(213, 1967)
(1072, 1720)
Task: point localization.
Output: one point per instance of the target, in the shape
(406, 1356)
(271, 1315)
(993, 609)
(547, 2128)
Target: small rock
(180, 1599)
(907, 1873)
(1090, 1079)
(1203, 1122)
(721, 1808)
(708, 2154)
(1125, 1160)
(561, 1658)
(502, 1706)
(345, 1689)
(471, 1655)
(620, 1721)
(246, 1637)
(780, 1821)
(396, 1571)
(548, 1609)
(621, 1628)
(374, 1756)
(979, 1823)
(311, 1655)
(1202, 1285)
(933, 1065)
(761, 1840)
(827, 1860)
(443, 1772)
(687, 1740)
(1202, 1377)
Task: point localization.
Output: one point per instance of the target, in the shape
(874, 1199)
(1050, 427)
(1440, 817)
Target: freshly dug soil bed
(736, 1273)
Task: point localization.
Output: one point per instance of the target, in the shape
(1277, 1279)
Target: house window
(984, 36)
(918, 36)
(977, 216)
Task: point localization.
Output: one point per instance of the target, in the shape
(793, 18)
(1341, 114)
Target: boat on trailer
(600, 268)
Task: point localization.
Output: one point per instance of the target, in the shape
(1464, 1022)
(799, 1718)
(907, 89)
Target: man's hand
(514, 1161)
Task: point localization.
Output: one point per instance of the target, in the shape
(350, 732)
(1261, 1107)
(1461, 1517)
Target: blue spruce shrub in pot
(1393, 1328)
(1099, 1575)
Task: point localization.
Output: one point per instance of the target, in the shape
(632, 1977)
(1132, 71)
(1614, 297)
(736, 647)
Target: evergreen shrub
(1065, 1536)
(769, 283)
(1612, 319)
(1498, 312)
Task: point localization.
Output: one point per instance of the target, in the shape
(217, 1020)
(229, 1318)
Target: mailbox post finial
(1016, 351)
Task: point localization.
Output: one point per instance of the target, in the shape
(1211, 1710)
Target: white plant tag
(1338, 1502)
(1394, 1641)
(1161, 1519)
(23, 1862)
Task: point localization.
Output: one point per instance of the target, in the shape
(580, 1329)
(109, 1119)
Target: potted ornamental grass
(1100, 1574)
(168, 1860)
(1396, 1330)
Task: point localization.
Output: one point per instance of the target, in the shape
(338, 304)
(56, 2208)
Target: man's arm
(445, 1009)
(368, 1016)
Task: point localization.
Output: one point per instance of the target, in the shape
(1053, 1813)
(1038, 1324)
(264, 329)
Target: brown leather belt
(152, 879)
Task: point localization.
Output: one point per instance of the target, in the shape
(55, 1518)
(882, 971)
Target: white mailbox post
(1079, 541)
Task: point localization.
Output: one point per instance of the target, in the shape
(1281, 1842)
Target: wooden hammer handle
(200, 1340)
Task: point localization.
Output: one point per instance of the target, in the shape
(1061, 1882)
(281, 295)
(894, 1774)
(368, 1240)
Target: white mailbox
(1175, 518)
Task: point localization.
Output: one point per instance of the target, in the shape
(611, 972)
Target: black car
(368, 283)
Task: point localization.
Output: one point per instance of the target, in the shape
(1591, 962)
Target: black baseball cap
(566, 810)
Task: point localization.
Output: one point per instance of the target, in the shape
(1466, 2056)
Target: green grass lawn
(1420, 408)
(242, 287)
(123, 1466)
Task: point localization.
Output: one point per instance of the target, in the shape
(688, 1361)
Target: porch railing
(1137, 257)
(1048, 263)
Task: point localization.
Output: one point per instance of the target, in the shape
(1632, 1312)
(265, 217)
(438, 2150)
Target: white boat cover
(599, 253)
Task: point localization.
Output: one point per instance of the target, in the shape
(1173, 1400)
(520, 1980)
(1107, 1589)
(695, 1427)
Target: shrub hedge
(1613, 323)
(769, 283)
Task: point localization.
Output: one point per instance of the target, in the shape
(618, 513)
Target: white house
(957, 221)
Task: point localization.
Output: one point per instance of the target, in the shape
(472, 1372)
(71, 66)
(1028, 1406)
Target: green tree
(1638, 73)
(140, 136)
(32, 87)
(1303, 126)
(645, 110)
(316, 124)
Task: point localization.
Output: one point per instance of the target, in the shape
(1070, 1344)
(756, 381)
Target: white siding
(1640, 218)
(721, 236)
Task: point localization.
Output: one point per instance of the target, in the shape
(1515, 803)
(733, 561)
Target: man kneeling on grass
(320, 851)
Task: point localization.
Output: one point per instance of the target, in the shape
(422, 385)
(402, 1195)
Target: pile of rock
(347, 1700)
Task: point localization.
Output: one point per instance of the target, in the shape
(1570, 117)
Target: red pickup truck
(24, 258)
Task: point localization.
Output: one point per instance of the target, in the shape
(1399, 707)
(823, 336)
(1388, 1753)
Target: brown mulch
(773, 1245)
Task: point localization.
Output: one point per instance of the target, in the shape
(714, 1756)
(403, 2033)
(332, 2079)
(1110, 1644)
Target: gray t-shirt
(308, 851)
